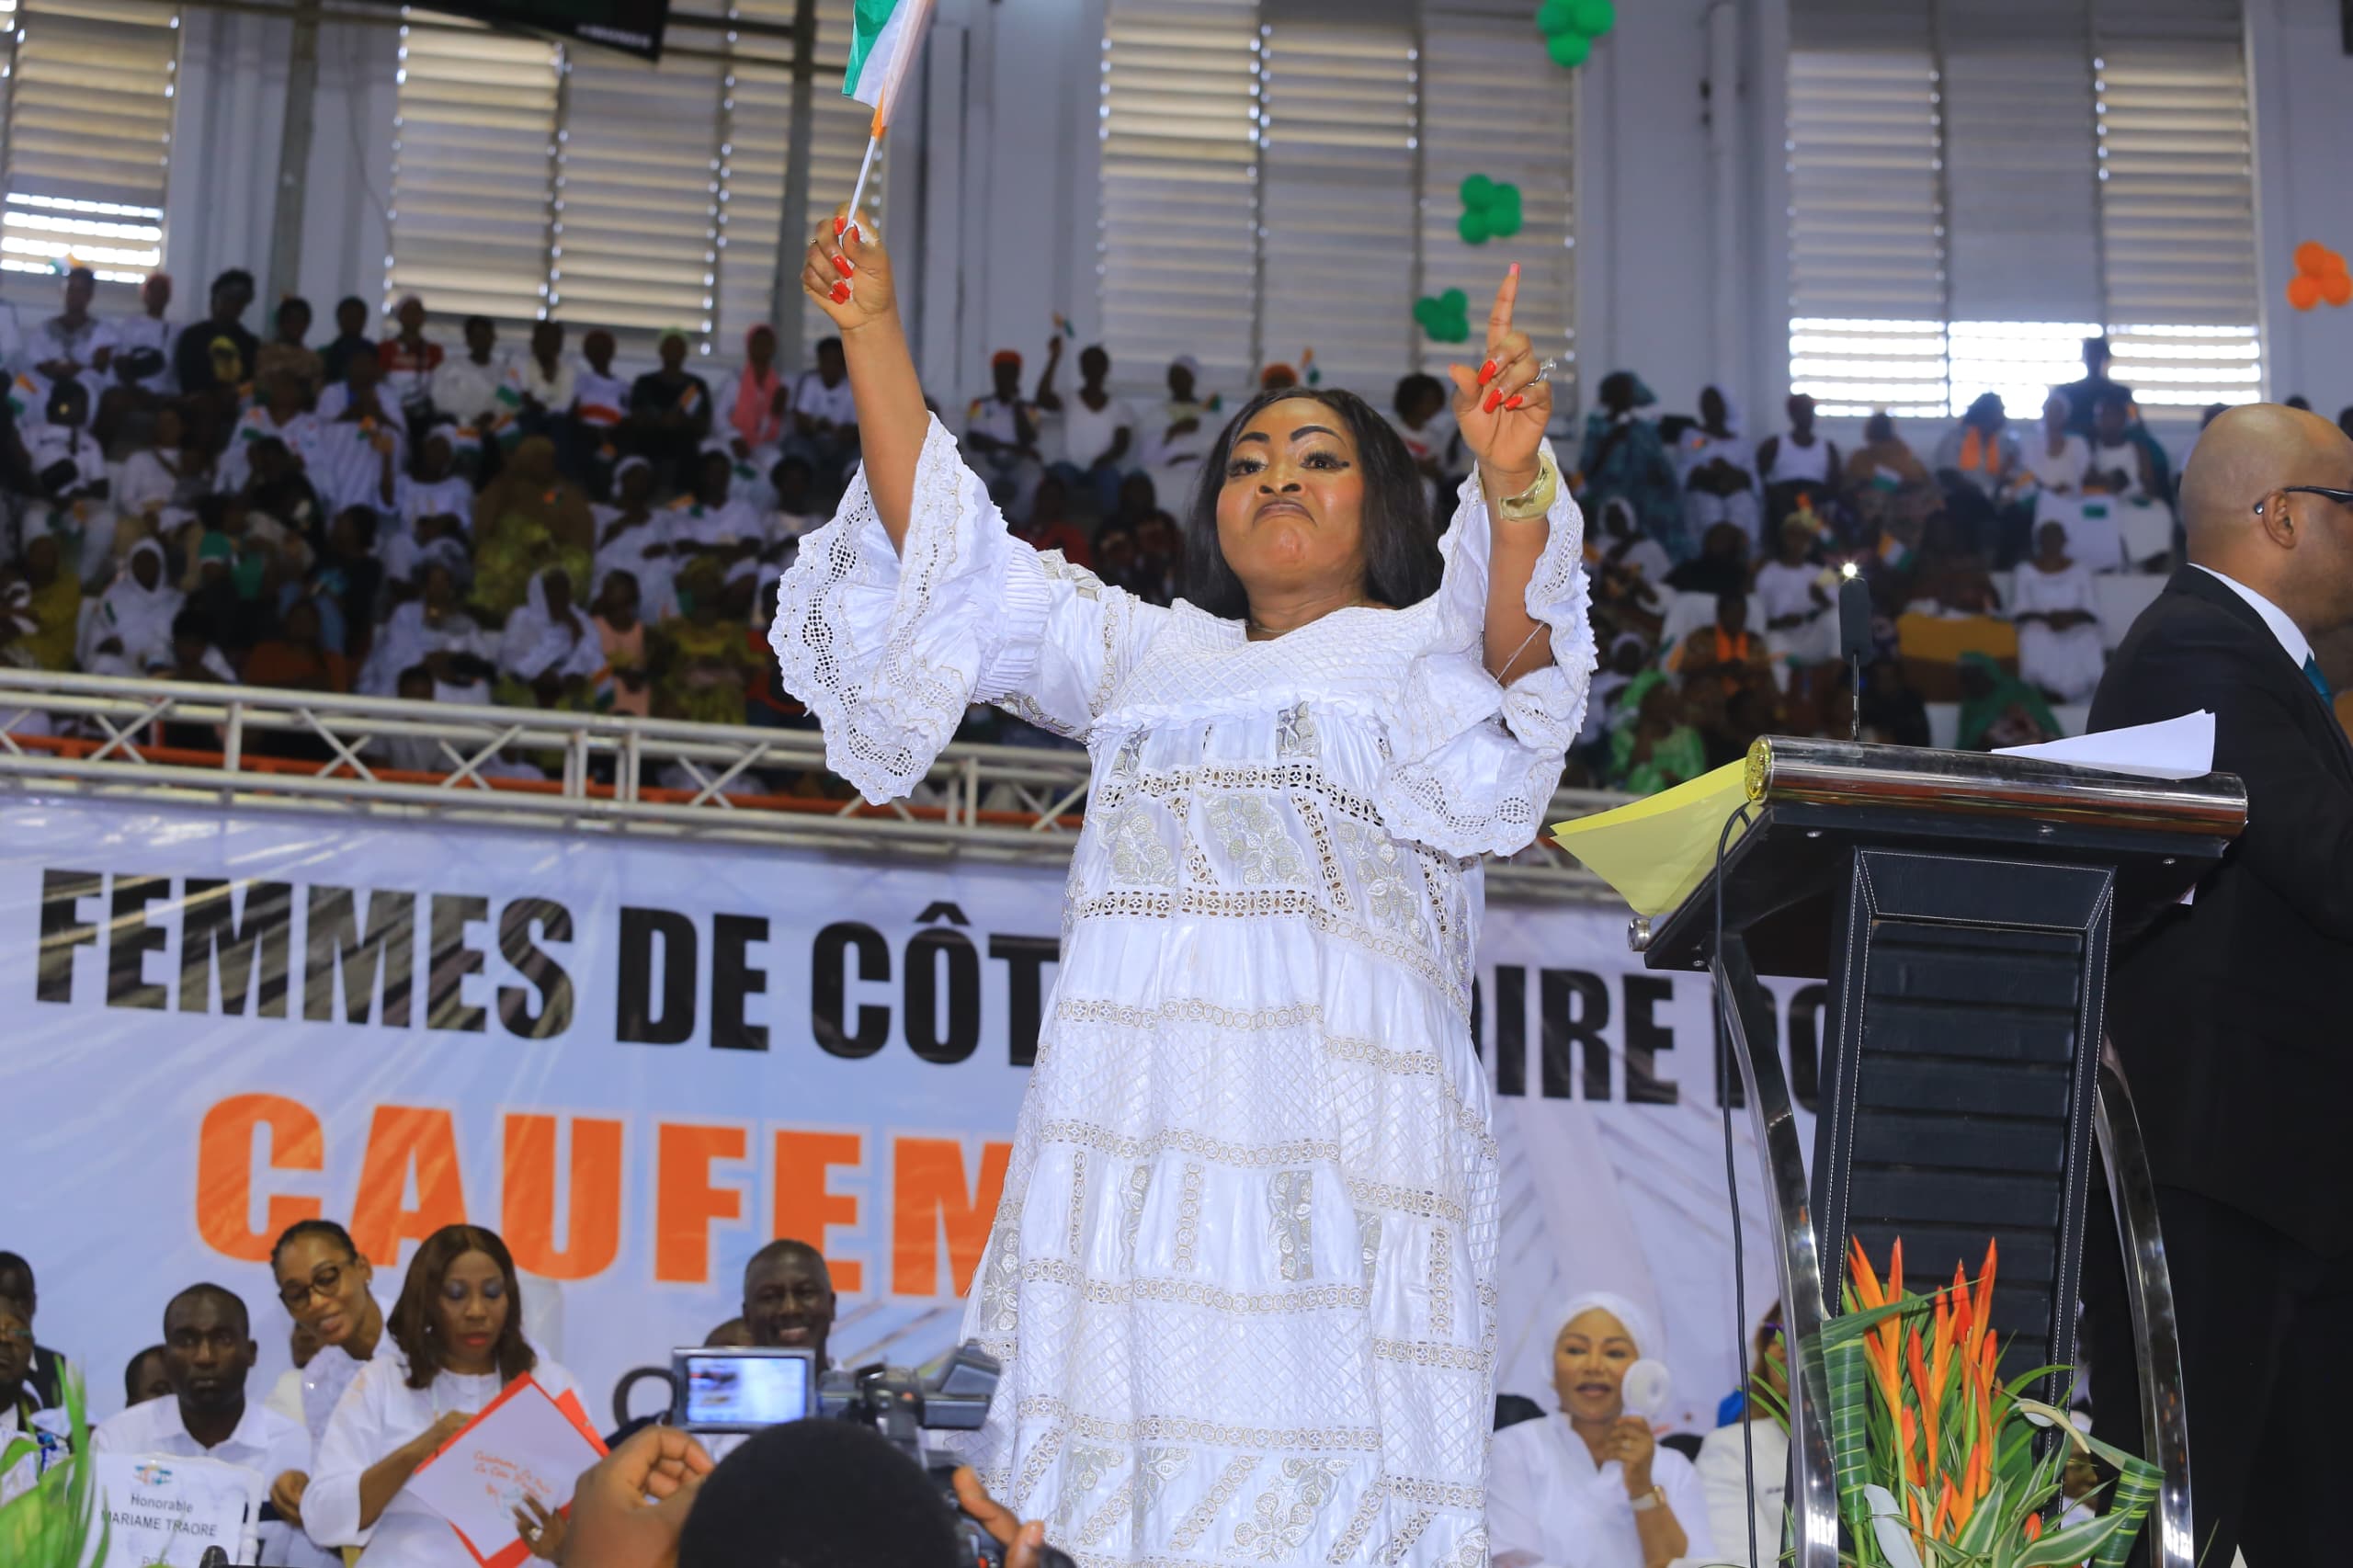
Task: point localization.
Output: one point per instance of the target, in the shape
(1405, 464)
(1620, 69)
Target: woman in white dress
(1590, 1487)
(2053, 605)
(456, 1341)
(323, 1283)
(2056, 458)
(1243, 1276)
(1753, 1442)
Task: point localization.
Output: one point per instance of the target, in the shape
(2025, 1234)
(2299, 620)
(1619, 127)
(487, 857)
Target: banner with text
(638, 1060)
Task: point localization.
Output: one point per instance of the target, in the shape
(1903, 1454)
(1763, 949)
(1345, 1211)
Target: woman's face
(440, 589)
(1589, 1361)
(146, 569)
(169, 433)
(469, 1313)
(2051, 541)
(637, 485)
(2054, 413)
(711, 481)
(760, 347)
(334, 1285)
(1291, 511)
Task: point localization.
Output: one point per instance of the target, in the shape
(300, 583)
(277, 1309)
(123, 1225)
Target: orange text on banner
(804, 1205)
(527, 1218)
(225, 1171)
(927, 1197)
(686, 1202)
(403, 1140)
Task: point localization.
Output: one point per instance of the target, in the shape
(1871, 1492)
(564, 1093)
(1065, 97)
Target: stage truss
(607, 774)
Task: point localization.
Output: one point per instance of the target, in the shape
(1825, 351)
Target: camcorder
(727, 1389)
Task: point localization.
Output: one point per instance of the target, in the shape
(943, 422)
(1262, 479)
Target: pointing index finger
(1499, 318)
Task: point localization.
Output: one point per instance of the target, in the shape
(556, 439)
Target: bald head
(2245, 519)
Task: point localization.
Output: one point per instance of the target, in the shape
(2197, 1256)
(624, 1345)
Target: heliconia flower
(1943, 1514)
(2034, 1526)
(1896, 1270)
(1926, 1393)
(1866, 1288)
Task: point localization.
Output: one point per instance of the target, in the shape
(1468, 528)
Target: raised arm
(849, 274)
(1502, 408)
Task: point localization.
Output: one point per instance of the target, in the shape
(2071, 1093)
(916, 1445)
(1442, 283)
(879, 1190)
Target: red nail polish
(842, 265)
(839, 225)
(841, 293)
(1514, 400)
(1486, 372)
(1495, 398)
(856, 238)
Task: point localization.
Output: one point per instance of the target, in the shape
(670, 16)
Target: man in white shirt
(208, 1353)
(67, 344)
(465, 386)
(136, 352)
(825, 418)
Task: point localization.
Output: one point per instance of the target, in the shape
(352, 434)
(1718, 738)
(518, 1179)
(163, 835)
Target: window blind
(2178, 200)
(1493, 104)
(474, 171)
(533, 178)
(635, 239)
(1179, 128)
(1977, 186)
(1336, 259)
(89, 136)
(838, 132)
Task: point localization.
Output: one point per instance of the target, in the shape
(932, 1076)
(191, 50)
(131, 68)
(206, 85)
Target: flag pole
(866, 169)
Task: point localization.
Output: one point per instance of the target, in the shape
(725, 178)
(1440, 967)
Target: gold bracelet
(1537, 499)
(1655, 1497)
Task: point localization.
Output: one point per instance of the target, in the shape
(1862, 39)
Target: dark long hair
(1402, 561)
(412, 1321)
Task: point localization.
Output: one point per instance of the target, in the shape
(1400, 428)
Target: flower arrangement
(56, 1522)
(1941, 1463)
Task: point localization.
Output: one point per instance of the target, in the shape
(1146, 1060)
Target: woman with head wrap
(1623, 456)
(432, 630)
(701, 656)
(1999, 710)
(1590, 1487)
(431, 502)
(633, 536)
(55, 605)
(550, 651)
(528, 519)
(1651, 748)
(130, 631)
(754, 403)
(1717, 470)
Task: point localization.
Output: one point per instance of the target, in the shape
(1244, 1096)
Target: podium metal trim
(1812, 1497)
(2157, 1333)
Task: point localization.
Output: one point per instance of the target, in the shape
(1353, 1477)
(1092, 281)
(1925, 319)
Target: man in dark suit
(2234, 1013)
(44, 1377)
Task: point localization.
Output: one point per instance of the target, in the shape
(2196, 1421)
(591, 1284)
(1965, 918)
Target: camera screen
(736, 1390)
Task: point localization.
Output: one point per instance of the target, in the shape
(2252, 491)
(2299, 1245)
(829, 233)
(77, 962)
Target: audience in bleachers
(556, 531)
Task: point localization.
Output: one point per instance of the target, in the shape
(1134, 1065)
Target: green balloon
(1477, 191)
(1503, 221)
(1455, 300)
(1555, 16)
(1592, 17)
(1569, 51)
(1472, 227)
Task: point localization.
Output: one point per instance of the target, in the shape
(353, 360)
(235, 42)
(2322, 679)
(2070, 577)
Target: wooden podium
(1961, 908)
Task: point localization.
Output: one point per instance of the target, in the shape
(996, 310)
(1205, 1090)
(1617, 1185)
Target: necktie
(2320, 681)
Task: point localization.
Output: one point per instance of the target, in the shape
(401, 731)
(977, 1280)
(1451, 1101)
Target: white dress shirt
(265, 1442)
(2292, 641)
(377, 1413)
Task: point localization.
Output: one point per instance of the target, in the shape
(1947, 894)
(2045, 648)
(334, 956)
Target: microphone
(214, 1557)
(1855, 636)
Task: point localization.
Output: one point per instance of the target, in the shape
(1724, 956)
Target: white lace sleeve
(1473, 762)
(889, 647)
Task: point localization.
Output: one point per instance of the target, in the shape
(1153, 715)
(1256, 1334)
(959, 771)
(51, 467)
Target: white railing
(604, 773)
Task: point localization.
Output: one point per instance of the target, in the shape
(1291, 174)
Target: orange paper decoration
(2320, 275)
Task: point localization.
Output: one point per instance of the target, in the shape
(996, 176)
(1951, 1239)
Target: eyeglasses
(16, 1335)
(323, 1280)
(2342, 498)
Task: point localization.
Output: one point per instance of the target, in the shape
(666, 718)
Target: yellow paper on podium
(1656, 851)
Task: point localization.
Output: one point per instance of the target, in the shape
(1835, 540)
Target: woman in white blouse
(2057, 459)
(1590, 1487)
(457, 1340)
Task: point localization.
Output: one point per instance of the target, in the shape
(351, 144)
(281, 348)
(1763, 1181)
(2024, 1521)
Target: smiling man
(789, 1298)
(208, 1352)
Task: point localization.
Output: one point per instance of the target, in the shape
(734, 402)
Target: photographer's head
(789, 1298)
(819, 1494)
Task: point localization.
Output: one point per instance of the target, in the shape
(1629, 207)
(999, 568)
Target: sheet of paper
(1657, 850)
(2172, 748)
(523, 1442)
(165, 1509)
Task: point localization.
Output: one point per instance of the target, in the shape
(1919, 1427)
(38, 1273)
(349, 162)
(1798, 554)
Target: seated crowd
(385, 1371)
(397, 518)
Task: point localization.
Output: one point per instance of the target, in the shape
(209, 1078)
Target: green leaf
(2069, 1546)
